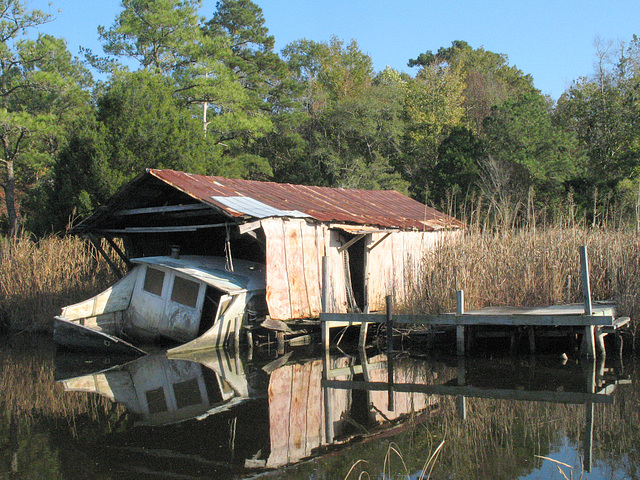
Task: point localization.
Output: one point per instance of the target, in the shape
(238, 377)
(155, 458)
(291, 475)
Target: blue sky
(553, 40)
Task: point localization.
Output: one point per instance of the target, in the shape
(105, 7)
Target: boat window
(153, 281)
(187, 393)
(185, 292)
(156, 400)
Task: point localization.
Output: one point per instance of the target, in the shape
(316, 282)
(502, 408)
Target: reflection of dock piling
(593, 320)
(596, 387)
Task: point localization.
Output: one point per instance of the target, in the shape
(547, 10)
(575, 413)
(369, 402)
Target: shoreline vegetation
(516, 266)
(37, 278)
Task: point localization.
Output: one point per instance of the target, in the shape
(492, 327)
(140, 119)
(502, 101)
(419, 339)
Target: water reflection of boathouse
(252, 415)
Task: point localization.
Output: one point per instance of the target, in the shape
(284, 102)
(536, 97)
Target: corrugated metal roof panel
(384, 208)
(255, 208)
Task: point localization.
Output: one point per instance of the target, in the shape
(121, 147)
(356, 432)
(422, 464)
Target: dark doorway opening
(357, 267)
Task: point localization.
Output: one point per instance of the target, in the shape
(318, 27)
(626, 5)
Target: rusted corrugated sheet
(384, 208)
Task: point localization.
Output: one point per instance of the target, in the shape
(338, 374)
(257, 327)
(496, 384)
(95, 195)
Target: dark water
(218, 415)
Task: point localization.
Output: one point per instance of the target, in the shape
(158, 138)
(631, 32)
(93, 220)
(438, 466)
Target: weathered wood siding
(294, 267)
(297, 410)
(294, 251)
(395, 264)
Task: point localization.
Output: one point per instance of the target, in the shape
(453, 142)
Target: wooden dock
(595, 320)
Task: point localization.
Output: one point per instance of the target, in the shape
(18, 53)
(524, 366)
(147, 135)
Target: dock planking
(596, 318)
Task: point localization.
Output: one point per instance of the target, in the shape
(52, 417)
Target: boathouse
(375, 240)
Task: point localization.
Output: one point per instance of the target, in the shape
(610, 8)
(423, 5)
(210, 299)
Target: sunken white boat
(188, 302)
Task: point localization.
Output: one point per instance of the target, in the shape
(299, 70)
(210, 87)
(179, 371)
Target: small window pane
(185, 292)
(187, 393)
(156, 400)
(153, 281)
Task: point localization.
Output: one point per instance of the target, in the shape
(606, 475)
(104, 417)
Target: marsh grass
(29, 389)
(37, 278)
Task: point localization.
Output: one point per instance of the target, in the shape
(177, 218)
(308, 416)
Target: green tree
(458, 166)
(330, 70)
(41, 86)
(604, 112)
(432, 106)
(356, 142)
(528, 149)
(219, 71)
(489, 79)
(163, 36)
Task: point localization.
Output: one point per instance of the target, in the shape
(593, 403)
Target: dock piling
(460, 328)
(589, 342)
(389, 324)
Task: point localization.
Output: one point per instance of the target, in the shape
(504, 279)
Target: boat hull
(73, 336)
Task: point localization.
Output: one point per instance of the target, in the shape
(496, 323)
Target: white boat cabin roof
(214, 271)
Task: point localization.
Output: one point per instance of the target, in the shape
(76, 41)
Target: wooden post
(236, 334)
(389, 323)
(390, 379)
(461, 401)
(390, 383)
(326, 358)
(114, 267)
(589, 341)
(532, 339)
(325, 300)
(280, 342)
(588, 421)
(364, 326)
(586, 286)
(460, 328)
(327, 398)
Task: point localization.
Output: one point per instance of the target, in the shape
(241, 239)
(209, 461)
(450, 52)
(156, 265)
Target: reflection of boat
(166, 391)
(193, 301)
(223, 412)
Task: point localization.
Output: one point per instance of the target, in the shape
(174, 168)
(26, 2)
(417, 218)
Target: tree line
(465, 130)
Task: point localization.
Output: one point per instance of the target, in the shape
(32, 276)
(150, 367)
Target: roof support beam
(379, 241)
(179, 228)
(351, 242)
(164, 209)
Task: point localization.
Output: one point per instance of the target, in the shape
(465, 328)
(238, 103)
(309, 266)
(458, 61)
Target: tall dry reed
(39, 277)
(28, 387)
(531, 267)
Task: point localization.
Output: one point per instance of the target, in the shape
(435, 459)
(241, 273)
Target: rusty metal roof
(382, 208)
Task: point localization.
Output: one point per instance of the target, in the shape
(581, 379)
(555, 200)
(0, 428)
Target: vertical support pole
(389, 323)
(250, 344)
(586, 286)
(390, 383)
(364, 326)
(588, 421)
(460, 328)
(280, 343)
(589, 342)
(390, 378)
(326, 358)
(532, 339)
(327, 400)
(325, 301)
(461, 401)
